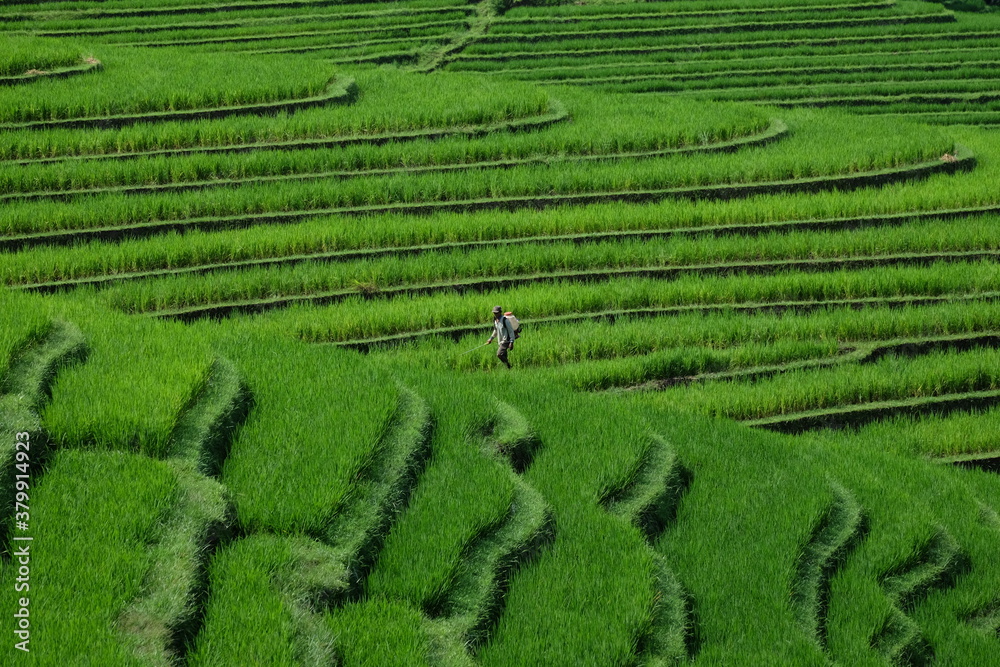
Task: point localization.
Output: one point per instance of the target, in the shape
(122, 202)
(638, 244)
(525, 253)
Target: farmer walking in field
(503, 331)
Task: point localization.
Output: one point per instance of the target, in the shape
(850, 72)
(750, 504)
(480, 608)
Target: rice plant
(98, 555)
(300, 448)
(24, 53)
(438, 271)
(761, 166)
(358, 318)
(136, 85)
(391, 102)
(131, 390)
(844, 265)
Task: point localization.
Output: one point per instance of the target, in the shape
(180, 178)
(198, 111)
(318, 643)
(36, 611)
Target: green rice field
(249, 414)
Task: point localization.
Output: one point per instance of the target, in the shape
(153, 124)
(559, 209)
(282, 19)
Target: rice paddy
(248, 254)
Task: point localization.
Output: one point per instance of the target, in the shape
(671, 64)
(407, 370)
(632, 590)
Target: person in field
(504, 333)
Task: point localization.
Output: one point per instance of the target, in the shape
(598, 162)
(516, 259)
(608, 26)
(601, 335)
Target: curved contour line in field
(934, 566)
(839, 529)
(340, 90)
(649, 499)
(776, 131)
(859, 352)
(160, 624)
(964, 160)
(471, 606)
(556, 113)
(23, 393)
(90, 65)
(227, 308)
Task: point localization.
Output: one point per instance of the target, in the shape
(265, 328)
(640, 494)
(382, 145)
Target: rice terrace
(251, 404)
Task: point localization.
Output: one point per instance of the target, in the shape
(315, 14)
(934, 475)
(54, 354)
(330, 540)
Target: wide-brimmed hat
(497, 310)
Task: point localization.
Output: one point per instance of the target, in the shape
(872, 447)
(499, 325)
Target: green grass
(691, 255)
(136, 85)
(732, 339)
(966, 30)
(696, 65)
(755, 165)
(424, 547)
(231, 491)
(159, 622)
(787, 80)
(88, 560)
(108, 22)
(857, 617)
(929, 435)
(734, 520)
(725, 51)
(331, 32)
(890, 378)
(24, 390)
(133, 9)
(557, 11)
(549, 617)
(390, 102)
(244, 24)
(712, 73)
(259, 610)
(309, 435)
(24, 324)
(610, 30)
(130, 391)
(653, 10)
(23, 53)
(907, 27)
(359, 318)
(607, 125)
(381, 632)
(338, 239)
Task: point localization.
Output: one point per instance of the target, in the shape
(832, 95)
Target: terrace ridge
(860, 352)
(650, 494)
(57, 73)
(795, 57)
(470, 607)
(205, 8)
(935, 565)
(863, 413)
(719, 28)
(871, 4)
(986, 619)
(218, 309)
(361, 252)
(964, 160)
(456, 332)
(921, 66)
(381, 491)
(340, 90)
(240, 22)
(486, 12)
(834, 536)
(163, 621)
(556, 113)
(246, 39)
(723, 46)
(24, 391)
(776, 131)
(649, 498)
